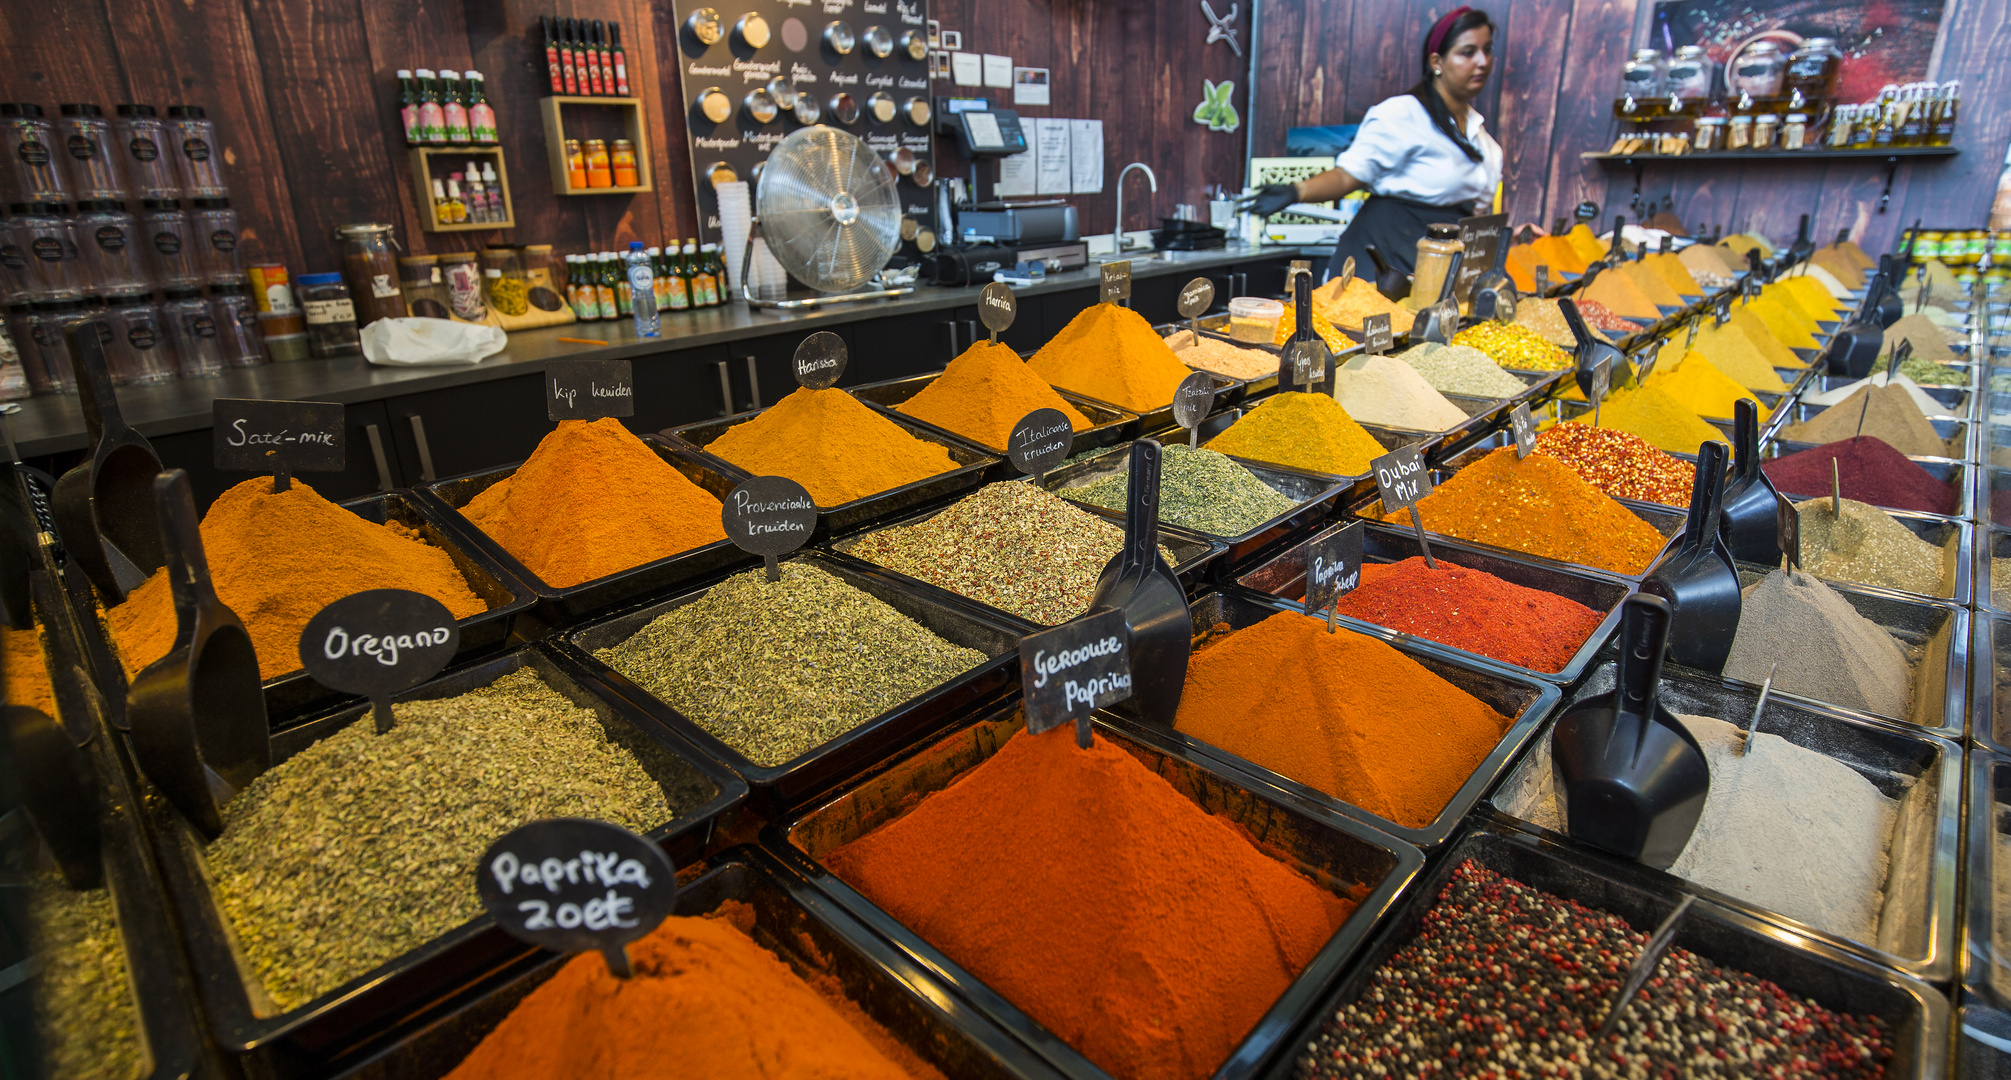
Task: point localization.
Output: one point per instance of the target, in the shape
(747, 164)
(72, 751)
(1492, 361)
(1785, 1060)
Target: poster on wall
(1887, 42)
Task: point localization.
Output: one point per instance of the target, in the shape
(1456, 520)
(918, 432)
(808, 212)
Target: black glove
(1270, 199)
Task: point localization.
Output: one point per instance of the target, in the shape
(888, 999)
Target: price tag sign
(1196, 298)
(1481, 239)
(573, 884)
(1668, 244)
(1116, 281)
(1751, 286)
(820, 359)
(1308, 360)
(1193, 400)
(1333, 568)
(1376, 336)
(1402, 479)
(379, 643)
(1524, 427)
(1602, 381)
(278, 437)
(1071, 671)
(1586, 211)
(997, 307)
(1788, 530)
(770, 516)
(1542, 279)
(588, 389)
(1042, 439)
(1723, 314)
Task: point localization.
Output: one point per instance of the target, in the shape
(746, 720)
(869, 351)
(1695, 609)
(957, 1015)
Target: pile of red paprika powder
(1472, 610)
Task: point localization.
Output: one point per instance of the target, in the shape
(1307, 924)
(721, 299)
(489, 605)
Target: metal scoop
(1698, 581)
(1630, 778)
(1138, 583)
(1750, 523)
(198, 714)
(104, 507)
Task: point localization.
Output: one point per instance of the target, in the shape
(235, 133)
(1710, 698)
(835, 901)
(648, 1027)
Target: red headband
(1440, 28)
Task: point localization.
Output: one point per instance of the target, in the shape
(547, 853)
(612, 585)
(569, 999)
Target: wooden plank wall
(1327, 61)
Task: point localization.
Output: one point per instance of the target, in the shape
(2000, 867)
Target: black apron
(1394, 226)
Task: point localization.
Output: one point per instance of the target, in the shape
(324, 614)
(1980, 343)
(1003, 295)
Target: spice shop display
(1228, 926)
(1110, 353)
(1886, 413)
(1539, 506)
(414, 808)
(593, 500)
(1335, 340)
(1513, 346)
(1214, 355)
(1472, 610)
(1868, 546)
(1621, 464)
(1697, 385)
(278, 558)
(84, 1015)
(1388, 392)
(1824, 649)
(1203, 490)
(1460, 369)
(1657, 418)
(1347, 304)
(1869, 471)
(836, 446)
(777, 668)
(450, 108)
(1303, 431)
(984, 392)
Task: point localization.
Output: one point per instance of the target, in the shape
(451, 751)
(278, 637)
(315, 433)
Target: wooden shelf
(635, 130)
(422, 180)
(1775, 155)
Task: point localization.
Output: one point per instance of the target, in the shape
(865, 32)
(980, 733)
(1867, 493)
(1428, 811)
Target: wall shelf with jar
(604, 151)
(462, 188)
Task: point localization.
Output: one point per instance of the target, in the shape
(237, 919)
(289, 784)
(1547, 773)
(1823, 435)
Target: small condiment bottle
(623, 162)
(576, 164)
(1794, 131)
(599, 173)
(1766, 131)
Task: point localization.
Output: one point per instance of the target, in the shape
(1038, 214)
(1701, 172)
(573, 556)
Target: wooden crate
(635, 131)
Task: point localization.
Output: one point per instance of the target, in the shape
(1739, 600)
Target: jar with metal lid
(1642, 77)
(1794, 131)
(464, 286)
(1710, 133)
(193, 329)
(372, 271)
(164, 225)
(600, 173)
(214, 227)
(1690, 74)
(141, 351)
(1739, 132)
(108, 247)
(576, 164)
(236, 315)
(43, 232)
(622, 163)
(30, 151)
(1841, 121)
(544, 288)
(331, 316)
(1812, 71)
(1434, 257)
(1759, 70)
(86, 138)
(419, 280)
(140, 136)
(45, 355)
(1766, 131)
(197, 157)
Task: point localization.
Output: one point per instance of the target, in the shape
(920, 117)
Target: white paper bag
(418, 342)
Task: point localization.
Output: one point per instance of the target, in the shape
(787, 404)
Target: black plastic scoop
(55, 757)
(1630, 778)
(1749, 525)
(1591, 351)
(1138, 583)
(197, 715)
(1698, 580)
(105, 506)
(1393, 283)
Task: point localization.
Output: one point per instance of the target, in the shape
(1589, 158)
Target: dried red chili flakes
(1622, 465)
(1600, 316)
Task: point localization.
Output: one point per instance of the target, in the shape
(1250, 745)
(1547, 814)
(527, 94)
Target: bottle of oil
(1944, 120)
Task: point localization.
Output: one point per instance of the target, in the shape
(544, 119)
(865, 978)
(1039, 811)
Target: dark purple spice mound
(1504, 980)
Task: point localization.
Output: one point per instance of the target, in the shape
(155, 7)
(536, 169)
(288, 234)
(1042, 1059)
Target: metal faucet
(1117, 234)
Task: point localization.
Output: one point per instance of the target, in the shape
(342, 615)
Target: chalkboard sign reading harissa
(997, 308)
(379, 643)
(573, 884)
(769, 516)
(1040, 442)
(588, 389)
(820, 360)
(278, 437)
(1071, 671)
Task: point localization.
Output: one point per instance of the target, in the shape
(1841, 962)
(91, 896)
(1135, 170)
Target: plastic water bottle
(641, 289)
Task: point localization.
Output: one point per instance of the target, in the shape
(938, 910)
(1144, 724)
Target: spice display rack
(423, 158)
(1891, 155)
(635, 130)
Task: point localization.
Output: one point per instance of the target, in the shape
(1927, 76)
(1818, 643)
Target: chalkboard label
(1308, 360)
(1042, 439)
(588, 389)
(1524, 427)
(1401, 478)
(1196, 298)
(1600, 383)
(255, 435)
(573, 884)
(769, 516)
(1074, 669)
(997, 308)
(1788, 529)
(1116, 281)
(1376, 336)
(1194, 399)
(1481, 242)
(1333, 566)
(1751, 287)
(379, 643)
(1542, 279)
(1668, 244)
(1723, 314)
(820, 360)
(1587, 211)
(1900, 355)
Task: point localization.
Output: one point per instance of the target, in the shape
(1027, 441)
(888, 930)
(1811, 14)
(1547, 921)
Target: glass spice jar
(165, 227)
(199, 158)
(503, 285)
(86, 138)
(464, 286)
(576, 164)
(1710, 134)
(330, 314)
(30, 151)
(193, 329)
(1766, 131)
(45, 355)
(140, 352)
(419, 280)
(1434, 257)
(1841, 120)
(46, 237)
(1794, 131)
(622, 162)
(372, 271)
(236, 316)
(140, 135)
(541, 279)
(599, 173)
(108, 247)
(213, 225)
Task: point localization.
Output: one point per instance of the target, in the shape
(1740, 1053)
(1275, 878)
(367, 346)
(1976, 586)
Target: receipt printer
(1021, 226)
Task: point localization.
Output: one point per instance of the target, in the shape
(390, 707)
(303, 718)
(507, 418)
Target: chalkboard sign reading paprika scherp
(1071, 671)
(278, 437)
(1042, 439)
(820, 360)
(1524, 427)
(1116, 281)
(1376, 336)
(379, 643)
(997, 308)
(588, 389)
(1402, 479)
(1333, 568)
(770, 516)
(573, 884)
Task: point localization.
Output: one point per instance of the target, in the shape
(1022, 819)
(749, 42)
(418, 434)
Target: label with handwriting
(1481, 242)
(1788, 530)
(1196, 297)
(378, 643)
(256, 435)
(1401, 478)
(1308, 360)
(1116, 284)
(1542, 278)
(997, 307)
(574, 884)
(820, 360)
(1524, 427)
(1074, 669)
(588, 389)
(1042, 439)
(1333, 566)
(1376, 336)
(768, 515)
(1193, 399)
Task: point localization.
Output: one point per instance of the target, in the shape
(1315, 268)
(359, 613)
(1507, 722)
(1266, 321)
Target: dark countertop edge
(51, 424)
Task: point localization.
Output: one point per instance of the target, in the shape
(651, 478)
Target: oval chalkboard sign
(377, 643)
(1040, 441)
(769, 516)
(573, 884)
(997, 308)
(1196, 298)
(820, 360)
(1193, 399)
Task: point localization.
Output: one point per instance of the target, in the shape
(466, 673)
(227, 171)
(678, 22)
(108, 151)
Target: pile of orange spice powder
(1620, 463)
(1537, 505)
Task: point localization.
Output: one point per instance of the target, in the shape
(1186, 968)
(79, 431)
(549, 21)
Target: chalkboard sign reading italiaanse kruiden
(770, 516)
(1069, 672)
(379, 643)
(820, 360)
(1333, 568)
(1116, 281)
(278, 437)
(1041, 441)
(573, 884)
(588, 389)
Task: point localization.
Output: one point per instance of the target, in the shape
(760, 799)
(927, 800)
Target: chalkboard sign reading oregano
(1041, 441)
(588, 389)
(820, 360)
(379, 643)
(769, 516)
(1071, 671)
(1333, 568)
(278, 437)
(573, 884)
(1402, 479)
(1193, 400)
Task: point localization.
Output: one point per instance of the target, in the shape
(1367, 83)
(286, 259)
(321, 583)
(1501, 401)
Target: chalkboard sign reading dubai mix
(1071, 671)
(588, 389)
(1402, 479)
(572, 884)
(278, 437)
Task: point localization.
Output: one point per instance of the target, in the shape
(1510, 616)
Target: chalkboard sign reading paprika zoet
(588, 389)
(820, 360)
(769, 516)
(1402, 479)
(1071, 671)
(574, 884)
(1042, 439)
(1333, 568)
(378, 643)
(278, 437)
(1116, 284)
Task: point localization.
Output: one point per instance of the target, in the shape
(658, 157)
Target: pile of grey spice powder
(1868, 546)
(84, 1015)
(1461, 369)
(363, 846)
(1198, 489)
(773, 669)
(1825, 649)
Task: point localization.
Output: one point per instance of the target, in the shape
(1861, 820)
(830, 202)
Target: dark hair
(1441, 118)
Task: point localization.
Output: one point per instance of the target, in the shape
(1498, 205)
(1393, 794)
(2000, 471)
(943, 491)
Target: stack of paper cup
(736, 219)
(771, 281)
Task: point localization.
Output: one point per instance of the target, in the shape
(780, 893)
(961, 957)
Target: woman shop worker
(1424, 155)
